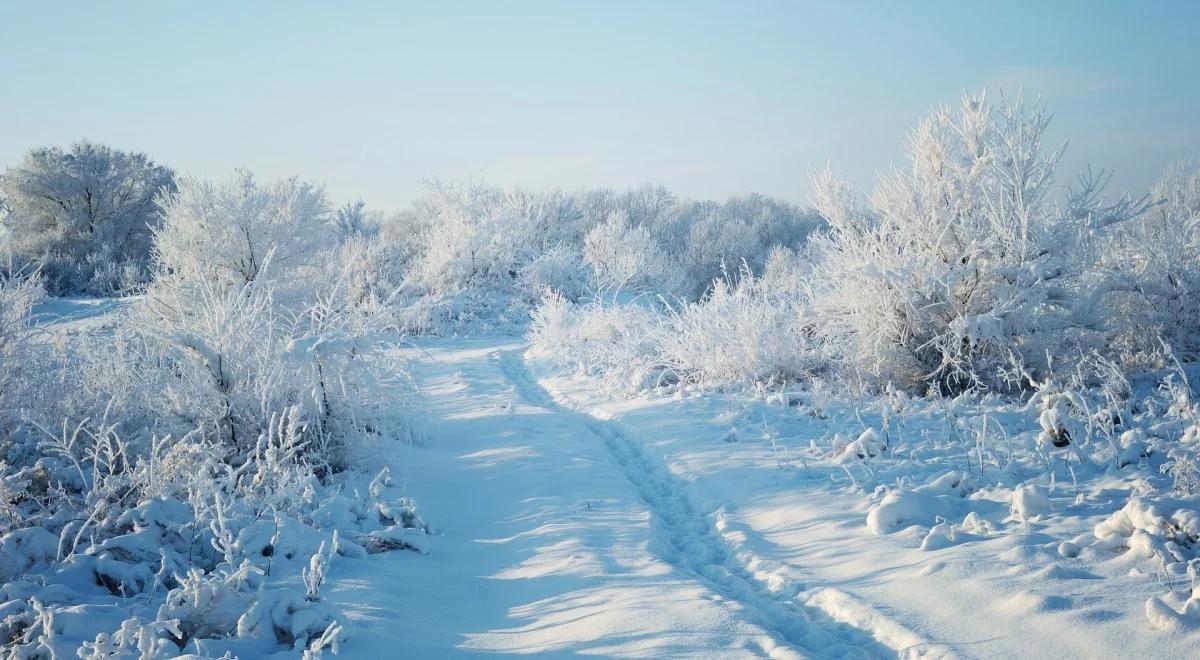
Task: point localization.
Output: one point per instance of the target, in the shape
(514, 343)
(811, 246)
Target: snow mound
(1142, 529)
(943, 497)
(1029, 502)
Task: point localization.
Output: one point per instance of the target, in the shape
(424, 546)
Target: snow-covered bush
(1156, 264)
(623, 255)
(202, 546)
(477, 257)
(220, 359)
(557, 269)
(75, 212)
(963, 267)
(238, 230)
(19, 292)
(471, 240)
(352, 220)
(718, 238)
(613, 340)
(190, 455)
(747, 332)
(754, 331)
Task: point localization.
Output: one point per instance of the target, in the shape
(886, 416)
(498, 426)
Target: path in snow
(558, 535)
(691, 541)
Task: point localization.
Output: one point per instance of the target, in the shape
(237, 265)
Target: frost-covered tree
(234, 229)
(647, 205)
(75, 211)
(475, 252)
(352, 220)
(471, 238)
(964, 267)
(1156, 259)
(717, 239)
(623, 254)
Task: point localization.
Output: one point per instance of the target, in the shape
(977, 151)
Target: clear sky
(709, 99)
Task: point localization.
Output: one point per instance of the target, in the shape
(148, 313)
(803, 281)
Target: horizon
(709, 100)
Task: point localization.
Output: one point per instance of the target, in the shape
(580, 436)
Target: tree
(964, 269)
(622, 254)
(1156, 261)
(233, 230)
(83, 210)
(351, 220)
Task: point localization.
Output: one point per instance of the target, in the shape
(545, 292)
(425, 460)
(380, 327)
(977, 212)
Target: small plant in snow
(318, 568)
(1055, 418)
(330, 639)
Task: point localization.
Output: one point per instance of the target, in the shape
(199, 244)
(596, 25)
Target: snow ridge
(690, 540)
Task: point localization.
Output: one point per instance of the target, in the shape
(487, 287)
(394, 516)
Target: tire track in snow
(696, 546)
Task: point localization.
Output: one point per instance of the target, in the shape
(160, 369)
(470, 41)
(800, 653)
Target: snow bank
(941, 498)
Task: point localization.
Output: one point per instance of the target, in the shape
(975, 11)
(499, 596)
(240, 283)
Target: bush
(754, 331)
(476, 257)
(239, 230)
(1156, 279)
(623, 255)
(963, 272)
(207, 436)
(20, 290)
(76, 212)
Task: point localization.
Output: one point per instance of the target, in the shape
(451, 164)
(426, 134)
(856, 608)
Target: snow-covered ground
(1006, 588)
(569, 523)
(566, 521)
(552, 537)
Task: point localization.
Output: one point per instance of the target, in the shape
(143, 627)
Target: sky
(709, 99)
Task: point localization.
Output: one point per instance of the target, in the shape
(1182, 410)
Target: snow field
(914, 544)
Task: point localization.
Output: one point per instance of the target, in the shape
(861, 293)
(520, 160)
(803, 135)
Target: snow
(951, 419)
(568, 522)
(936, 568)
(545, 545)
(558, 519)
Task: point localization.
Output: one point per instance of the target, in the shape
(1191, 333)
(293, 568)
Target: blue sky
(710, 99)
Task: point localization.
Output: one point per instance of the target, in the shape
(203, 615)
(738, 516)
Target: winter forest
(950, 412)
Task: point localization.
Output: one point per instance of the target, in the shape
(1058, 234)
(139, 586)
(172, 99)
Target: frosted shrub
(73, 211)
(616, 341)
(750, 332)
(352, 220)
(1183, 453)
(963, 264)
(478, 256)
(624, 255)
(205, 354)
(232, 230)
(190, 455)
(1156, 259)
(19, 292)
(743, 333)
(470, 246)
(110, 278)
(557, 269)
(718, 237)
(555, 218)
(216, 350)
(471, 240)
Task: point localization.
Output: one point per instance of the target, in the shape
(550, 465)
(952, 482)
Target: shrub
(1156, 278)
(20, 290)
(238, 230)
(963, 265)
(754, 331)
(76, 211)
